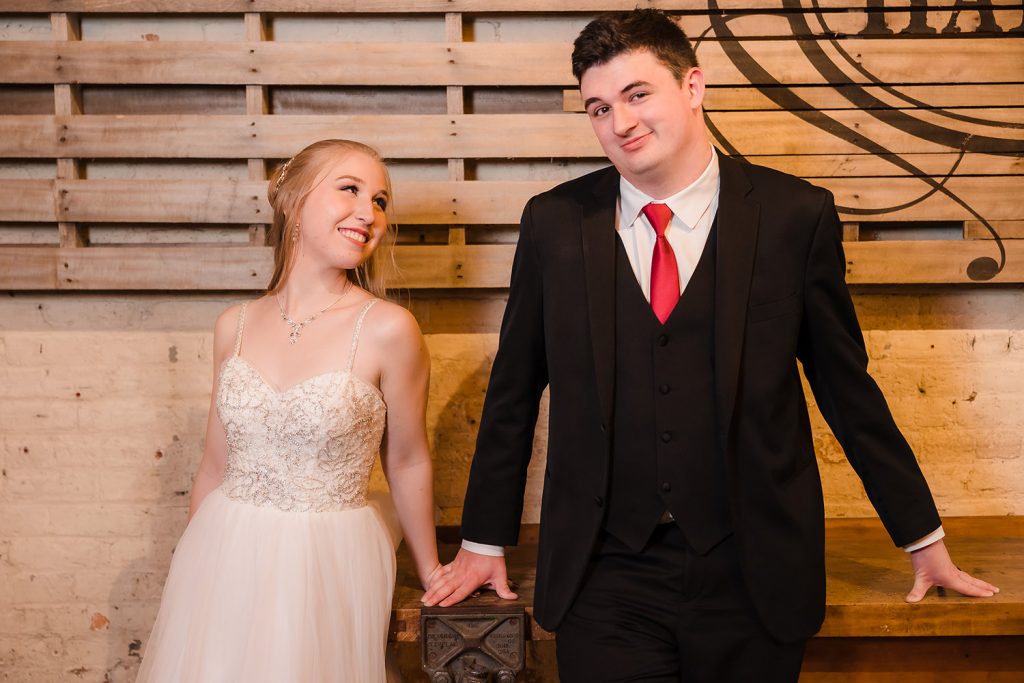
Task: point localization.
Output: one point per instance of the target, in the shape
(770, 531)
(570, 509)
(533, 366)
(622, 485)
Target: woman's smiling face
(343, 218)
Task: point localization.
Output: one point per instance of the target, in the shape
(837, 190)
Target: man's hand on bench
(466, 573)
(933, 567)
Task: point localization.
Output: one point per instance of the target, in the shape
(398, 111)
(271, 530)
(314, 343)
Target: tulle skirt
(257, 594)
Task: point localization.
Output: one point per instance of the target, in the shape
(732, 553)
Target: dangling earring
(295, 235)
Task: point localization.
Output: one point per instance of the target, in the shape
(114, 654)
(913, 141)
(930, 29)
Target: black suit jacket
(780, 297)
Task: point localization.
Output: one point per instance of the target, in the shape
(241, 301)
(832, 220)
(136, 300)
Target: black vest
(665, 453)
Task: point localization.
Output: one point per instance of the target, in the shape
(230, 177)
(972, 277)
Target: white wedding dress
(286, 571)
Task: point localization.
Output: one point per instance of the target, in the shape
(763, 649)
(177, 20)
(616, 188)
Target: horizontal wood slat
(833, 91)
(439, 202)
(422, 64)
(975, 230)
(440, 266)
(404, 6)
(28, 201)
(470, 136)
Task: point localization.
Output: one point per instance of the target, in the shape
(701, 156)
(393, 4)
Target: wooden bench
(869, 634)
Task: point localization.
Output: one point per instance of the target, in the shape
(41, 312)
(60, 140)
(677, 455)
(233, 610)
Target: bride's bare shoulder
(391, 325)
(225, 329)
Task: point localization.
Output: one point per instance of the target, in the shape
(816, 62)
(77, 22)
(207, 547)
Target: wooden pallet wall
(137, 159)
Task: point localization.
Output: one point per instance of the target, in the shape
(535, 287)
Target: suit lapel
(737, 242)
(597, 228)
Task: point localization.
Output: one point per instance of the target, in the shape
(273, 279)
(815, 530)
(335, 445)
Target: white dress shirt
(693, 213)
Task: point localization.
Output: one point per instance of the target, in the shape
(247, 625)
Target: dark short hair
(616, 33)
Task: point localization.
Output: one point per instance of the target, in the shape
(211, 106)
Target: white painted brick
(992, 344)
(15, 621)
(917, 345)
(102, 450)
(120, 586)
(88, 520)
(102, 348)
(126, 616)
(35, 416)
(66, 619)
(993, 411)
(152, 485)
(28, 651)
(180, 381)
(31, 674)
(140, 414)
(1005, 378)
(1002, 444)
(36, 382)
(65, 484)
(44, 554)
(42, 587)
(19, 519)
(937, 445)
(142, 554)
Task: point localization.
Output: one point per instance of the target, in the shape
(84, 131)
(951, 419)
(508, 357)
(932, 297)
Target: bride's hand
(429, 580)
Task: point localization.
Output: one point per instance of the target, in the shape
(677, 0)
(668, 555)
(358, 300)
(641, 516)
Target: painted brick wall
(103, 405)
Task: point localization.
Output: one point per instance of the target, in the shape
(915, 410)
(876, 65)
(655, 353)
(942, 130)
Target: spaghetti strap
(238, 335)
(355, 334)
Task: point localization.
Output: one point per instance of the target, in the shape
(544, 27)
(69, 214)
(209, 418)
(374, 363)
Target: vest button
(664, 388)
(666, 436)
(666, 487)
(599, 501)
(662, 340)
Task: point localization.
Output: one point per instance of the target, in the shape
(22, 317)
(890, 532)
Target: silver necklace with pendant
(295, 325)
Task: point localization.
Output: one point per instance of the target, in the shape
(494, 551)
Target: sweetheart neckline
(278, 392)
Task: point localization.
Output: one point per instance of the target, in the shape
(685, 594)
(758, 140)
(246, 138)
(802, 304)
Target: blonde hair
(289, 186)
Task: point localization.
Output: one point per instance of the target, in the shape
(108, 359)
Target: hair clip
(283, 173)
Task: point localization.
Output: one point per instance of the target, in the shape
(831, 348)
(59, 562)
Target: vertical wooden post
(257, 103)
(67, 102)
(456, 107)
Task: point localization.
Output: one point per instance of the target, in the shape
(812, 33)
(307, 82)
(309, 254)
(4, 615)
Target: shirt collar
(688, 205)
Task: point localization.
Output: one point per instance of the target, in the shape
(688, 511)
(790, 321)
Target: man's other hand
(933, 567)
(467, 572)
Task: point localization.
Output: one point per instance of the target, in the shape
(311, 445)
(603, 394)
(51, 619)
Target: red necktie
(664, 271)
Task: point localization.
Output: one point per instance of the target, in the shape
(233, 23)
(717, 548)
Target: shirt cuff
(483, 549)
(936, 535)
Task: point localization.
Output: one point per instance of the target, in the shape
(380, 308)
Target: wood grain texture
(479, 136)
(975, 230)
(443, 202)
(28, 201)
(867, 145)
(470, 202)
(450, 266)
(394, 6)
(892, 60)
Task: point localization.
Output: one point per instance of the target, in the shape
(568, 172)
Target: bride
(286, 569)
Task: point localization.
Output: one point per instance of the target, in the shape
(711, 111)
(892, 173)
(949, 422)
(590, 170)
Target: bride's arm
(210, 473)
(405, 454)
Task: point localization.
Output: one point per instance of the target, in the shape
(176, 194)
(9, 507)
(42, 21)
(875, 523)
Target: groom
(666, 303)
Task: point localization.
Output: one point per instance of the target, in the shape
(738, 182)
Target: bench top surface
(866, 580)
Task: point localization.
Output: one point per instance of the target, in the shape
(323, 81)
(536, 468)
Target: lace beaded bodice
(309, 448)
